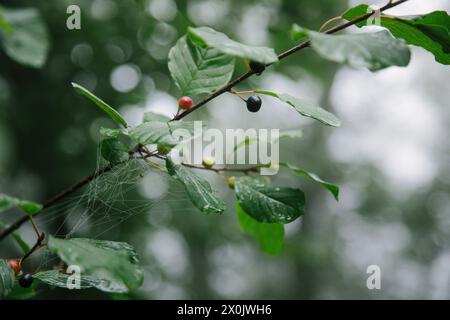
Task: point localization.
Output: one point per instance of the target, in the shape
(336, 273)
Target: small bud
(231, 181)
(208, 162)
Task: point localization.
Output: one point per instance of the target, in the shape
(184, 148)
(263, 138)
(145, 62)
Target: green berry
(231, 181)
(208, 162)
(254, 103)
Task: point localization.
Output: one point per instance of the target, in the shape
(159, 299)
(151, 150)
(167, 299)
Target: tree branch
(50, 202)
(16, 225)
(281, 56)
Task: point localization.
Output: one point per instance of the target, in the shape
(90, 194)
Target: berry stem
(329, 22)
(246, 92)
(36, 246)
(237, 94)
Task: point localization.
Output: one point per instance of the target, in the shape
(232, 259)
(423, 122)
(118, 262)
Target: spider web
(105, 203)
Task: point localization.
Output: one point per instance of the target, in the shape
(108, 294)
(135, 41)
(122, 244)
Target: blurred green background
(391, 156)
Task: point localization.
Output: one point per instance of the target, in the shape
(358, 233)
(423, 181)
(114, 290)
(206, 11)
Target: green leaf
(152, 117)
(298, 33)
(22, 244)
(374, 50)
(206, 37)
(58, 279)
(157, 130)
(26, 40)
(269, 235)
(19, 293)
(197, 188)
(430, 31)
(153, 133)
(113, 133)
(436, 26)
(332, 188)
(115, 264)
(269, 204)
(7, 278)
(7, 202)
(113, 150)
(198, 70)
(3, 23)
(305, 108)
(112, 113)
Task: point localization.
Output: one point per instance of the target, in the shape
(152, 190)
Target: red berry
(15, 265)
(185, 102)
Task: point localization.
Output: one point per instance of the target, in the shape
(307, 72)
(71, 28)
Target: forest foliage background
(390, 156)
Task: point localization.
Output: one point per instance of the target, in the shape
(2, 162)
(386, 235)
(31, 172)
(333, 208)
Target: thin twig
(36, 246)
(223, 169)
(281, 56)
(50, 202)
(326, 24)
(216, 169)
(237, 94)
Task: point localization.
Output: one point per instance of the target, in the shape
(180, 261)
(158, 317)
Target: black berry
(254, 103)
(26, 280)
(257, 67)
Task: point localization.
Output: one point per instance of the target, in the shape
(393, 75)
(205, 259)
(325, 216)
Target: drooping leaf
(305, 108)
(430, 31)
(112, 113)
(8, 202)
(198, 70)
(25, 39)
(7, 279)
(436, 26)
(4, 25)
(154, 132)
(298, 33)
(114, 264)
(22, 243)
(332, 188)
(198, 189)
(374, 50)
(19, 293)
(113, 133)
(206, 37)
(113, 150)
(59, 279)
(269, 235)
(152, 117)
(157, 130)
(269, 204)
